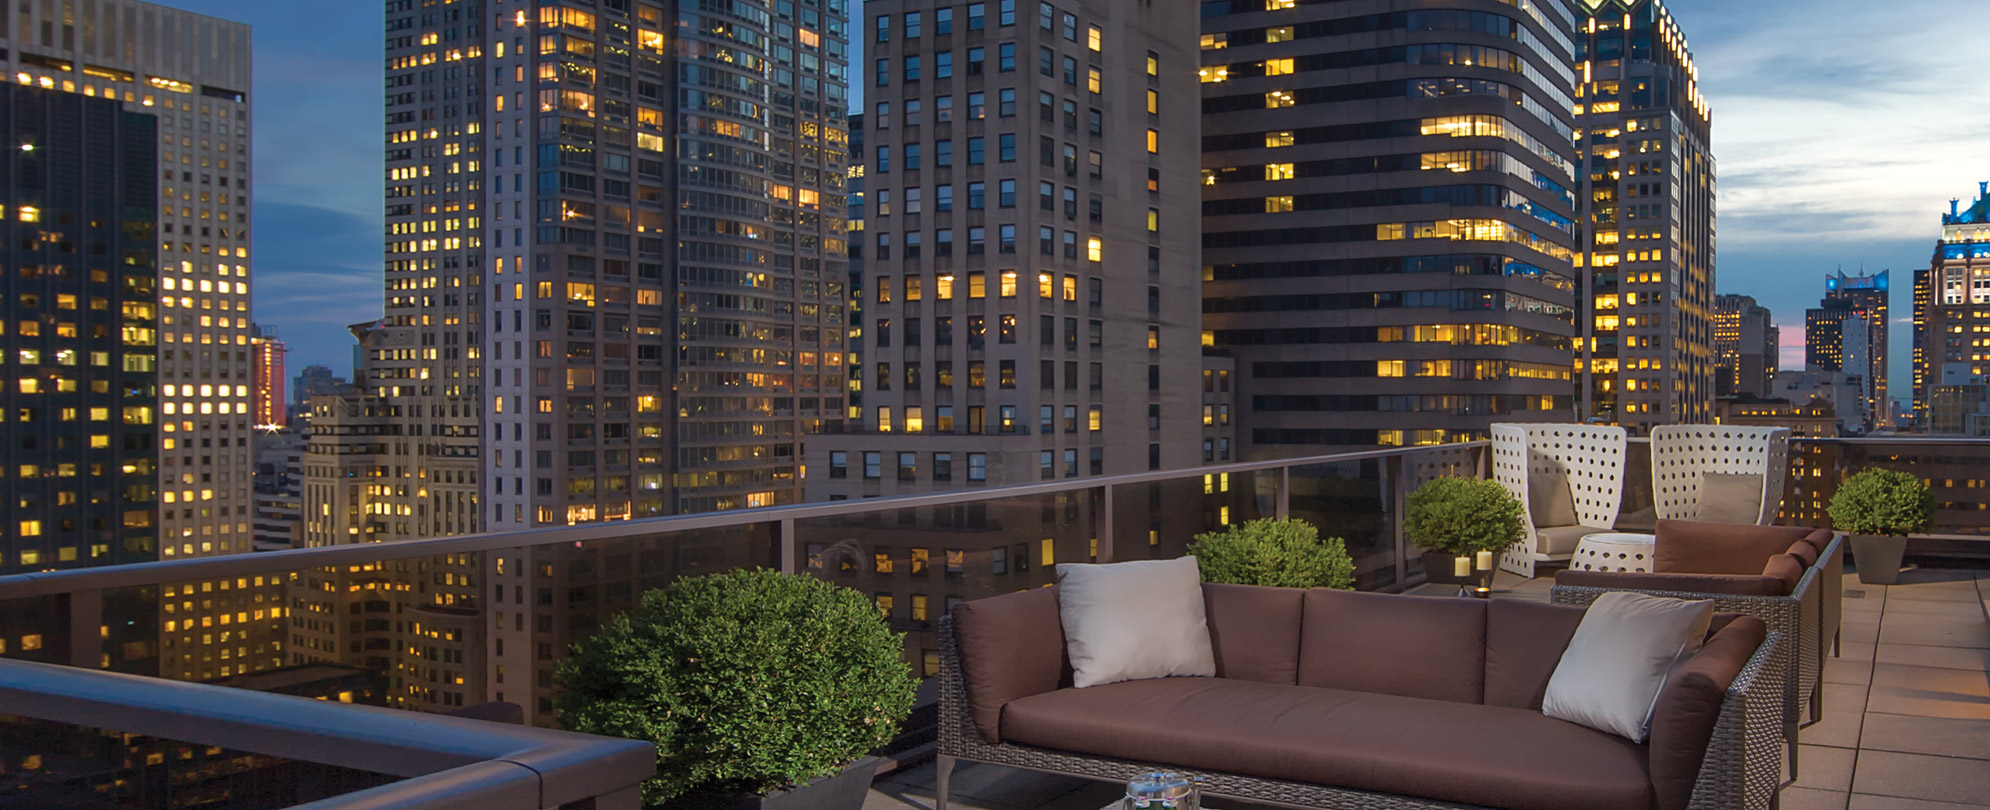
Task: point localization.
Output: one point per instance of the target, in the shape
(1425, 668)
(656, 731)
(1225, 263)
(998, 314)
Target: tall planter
(1878, 557)
(844, 791)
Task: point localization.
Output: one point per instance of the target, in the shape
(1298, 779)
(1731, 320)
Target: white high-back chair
(1682, 456)
(1591, 457)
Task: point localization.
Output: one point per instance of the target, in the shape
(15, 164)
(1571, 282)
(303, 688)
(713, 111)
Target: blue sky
(1841, 128)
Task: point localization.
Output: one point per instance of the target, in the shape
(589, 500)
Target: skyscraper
(268, 404)
(1747, 347)
(192, 72)
(1031, 305)
(1949, 319)
(614, 289)
(1847, 332)
(1389, 203)
(1647, 342)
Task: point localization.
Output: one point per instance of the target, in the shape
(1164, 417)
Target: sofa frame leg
(943, 768)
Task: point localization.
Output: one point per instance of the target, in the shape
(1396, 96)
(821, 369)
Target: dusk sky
(1841, 130)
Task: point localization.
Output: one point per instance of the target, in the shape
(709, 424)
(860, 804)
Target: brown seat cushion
(1255, 631)
(1692, 547)
(1690, 705)
(1742, 584)
(1524, 644)
(1482, 755)
(1414, 646)
(1010, 646)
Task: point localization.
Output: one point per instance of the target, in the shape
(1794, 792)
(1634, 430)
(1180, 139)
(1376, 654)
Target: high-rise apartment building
(192, 72)
(1031, 305)
(1647, 328)
(268, 403)
(1389, 203)
(615, 288)
(1952, 309)
(1747, 348)
(1847, 332)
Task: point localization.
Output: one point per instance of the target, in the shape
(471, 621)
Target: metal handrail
(162, 572)
(455, 762)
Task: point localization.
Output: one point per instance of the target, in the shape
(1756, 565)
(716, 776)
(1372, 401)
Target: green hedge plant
(1279, 553)
(1463, 516)
(1878, 501)
(747, 681)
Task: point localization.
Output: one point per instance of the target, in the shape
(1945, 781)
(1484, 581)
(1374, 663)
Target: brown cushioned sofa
(1789, 576)
(1336, 699)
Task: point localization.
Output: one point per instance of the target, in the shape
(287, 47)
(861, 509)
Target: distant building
(1815, 418)
(267, 402)
(279, 487)
(1951, 305)
(1845, 394)
(1848, 332)
(1746, 347)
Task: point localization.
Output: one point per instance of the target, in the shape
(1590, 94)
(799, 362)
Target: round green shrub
(1884, 502)
(745, 680)
(1460, 516)
(1279, 553)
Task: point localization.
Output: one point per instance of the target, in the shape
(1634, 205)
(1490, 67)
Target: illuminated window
(943, 287)
(1277, 67)
(1388, 368)
(1278, 204)
(1211, 42)
(1280, 33)
(30, 528)
(1094, 248)
(1278, 171)
(1094, 82)
(1277, 98)
(1046, 285)
(1153, 141)
(1214, 75)
(1275, 5)
(977, 285)
(1153, 103)
(1277, 139)
(1094, 38)
(1153, 64)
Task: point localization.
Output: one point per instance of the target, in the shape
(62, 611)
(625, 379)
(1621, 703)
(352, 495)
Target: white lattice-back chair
(1683, 455)
(1592, 459)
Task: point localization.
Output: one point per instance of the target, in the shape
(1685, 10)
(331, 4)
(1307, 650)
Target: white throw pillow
(1132, 620)
(1620, 657)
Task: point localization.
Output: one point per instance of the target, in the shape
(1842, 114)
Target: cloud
(317, 270)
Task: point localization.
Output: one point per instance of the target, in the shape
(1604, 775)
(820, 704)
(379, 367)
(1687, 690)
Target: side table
(1614, 551)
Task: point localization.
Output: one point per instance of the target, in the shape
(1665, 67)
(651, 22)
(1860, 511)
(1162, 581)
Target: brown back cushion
(1691, 547)
(1255, 631)
(1011, 646)
(1413, 646)
(1524, 644)
(1690, 705)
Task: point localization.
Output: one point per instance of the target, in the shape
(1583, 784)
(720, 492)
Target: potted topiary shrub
(1279, 553)
(760, 690)
(1878, 508)
(1459, 517)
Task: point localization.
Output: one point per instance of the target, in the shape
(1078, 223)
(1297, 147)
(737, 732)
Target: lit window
(1153, 141)
(1277, 67)
(1211, 42)
(1094, 248)
(1388, 368)
(1008, 284)
(1153, 103)
(1278, 171)
(1278, 98)
(1275, 5)
(1280, 33)
(1277, 139)
(1213, 75)
(944, 287)
(1278, 204)
(1094, 82)
(1095, 39)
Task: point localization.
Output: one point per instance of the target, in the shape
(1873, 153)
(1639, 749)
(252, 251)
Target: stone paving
(1906, 714)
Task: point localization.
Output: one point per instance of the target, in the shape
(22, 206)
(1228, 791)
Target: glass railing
(1957, 471)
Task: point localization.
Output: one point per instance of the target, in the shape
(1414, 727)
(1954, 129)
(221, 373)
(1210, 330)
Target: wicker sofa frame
(1740, 771)
(1808, 617)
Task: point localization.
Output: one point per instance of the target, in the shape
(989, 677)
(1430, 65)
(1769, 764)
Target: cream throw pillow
(1132, 620)
(1730, 497)
(1550, 501)
(1622, 652)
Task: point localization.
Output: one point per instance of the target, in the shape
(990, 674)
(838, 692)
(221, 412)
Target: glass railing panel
(57, 765)
(1158, 520)
(1423, 464)
(1957, 472)
(1356, 501)
(917, 562)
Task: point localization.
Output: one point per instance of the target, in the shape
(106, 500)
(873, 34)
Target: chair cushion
(1142, 619)
(1690, 705)
(1563, 539)
(1488, 756)
(1695, 547)
(1549, 500)
(1255, 631)
(1741, 584)
(1414, 646)
(1010, 646)
(1610, 675)
(1731, 497)
(1524, 643)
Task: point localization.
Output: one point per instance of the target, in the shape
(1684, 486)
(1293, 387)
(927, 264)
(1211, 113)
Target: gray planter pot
(1878, 557)
(844, 791)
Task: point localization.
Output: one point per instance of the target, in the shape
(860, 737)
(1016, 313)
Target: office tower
(1848, 332)
(191, 72)
(279, 487)
(268, 404)
(1389, 218)
(1647, 338)
(1031, 301)
(853, 354)
(1952, 314)
(615, 288)
(313, 382)
(1745, 347)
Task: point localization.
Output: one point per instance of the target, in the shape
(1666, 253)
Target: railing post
(1102, 523)
(1284, 496)
(84, 611)
(784, 542)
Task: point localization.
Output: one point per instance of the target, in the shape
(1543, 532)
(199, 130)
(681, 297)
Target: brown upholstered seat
(1463, 752)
